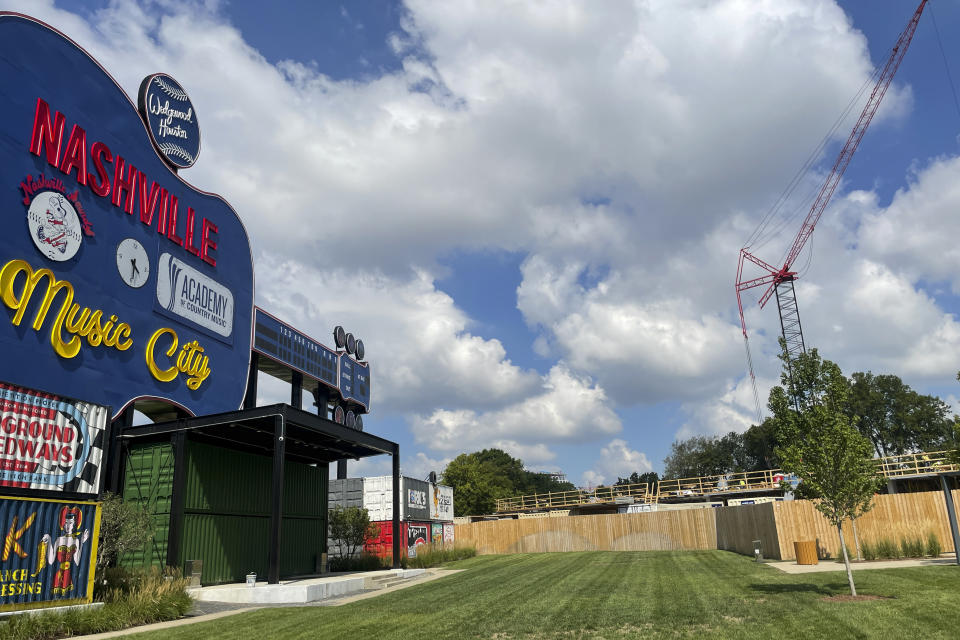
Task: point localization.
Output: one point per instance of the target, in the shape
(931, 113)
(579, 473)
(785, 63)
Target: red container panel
(382, 545)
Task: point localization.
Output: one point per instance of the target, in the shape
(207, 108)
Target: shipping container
(448, 529)
(382, 544)
(415, 499)
(441, 503)
(345, 492)
(436, 533)
(148, 483)
(226, 516)
(418, 534)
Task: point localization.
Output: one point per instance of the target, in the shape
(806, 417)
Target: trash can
(806, 551)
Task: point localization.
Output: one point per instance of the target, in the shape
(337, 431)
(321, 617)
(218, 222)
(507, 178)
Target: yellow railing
(916, 464)
(906, 465)
(564, 499)
(724, 483)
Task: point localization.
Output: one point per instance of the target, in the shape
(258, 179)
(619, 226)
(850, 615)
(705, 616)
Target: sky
(531, 212)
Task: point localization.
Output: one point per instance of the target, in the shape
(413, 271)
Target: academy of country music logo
(56, 220)
(191, 295)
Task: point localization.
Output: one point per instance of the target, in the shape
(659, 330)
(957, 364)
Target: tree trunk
(846, 560)
(856, 538)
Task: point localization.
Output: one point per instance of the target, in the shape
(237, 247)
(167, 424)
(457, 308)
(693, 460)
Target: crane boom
(773, 278)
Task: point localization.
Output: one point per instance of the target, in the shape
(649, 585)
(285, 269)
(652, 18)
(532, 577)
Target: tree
(705, 456)
(543, 483)
(650, 477)
(479, 478)
(820, 443)
(124, 527)
(350, 528)
(475, 487)
(895, 418)
(760, 445)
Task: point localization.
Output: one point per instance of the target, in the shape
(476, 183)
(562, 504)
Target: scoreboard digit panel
(279, 341)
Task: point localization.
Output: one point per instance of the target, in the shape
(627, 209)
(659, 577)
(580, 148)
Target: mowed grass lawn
(692, 594)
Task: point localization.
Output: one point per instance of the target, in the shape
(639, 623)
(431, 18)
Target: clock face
(133, 263)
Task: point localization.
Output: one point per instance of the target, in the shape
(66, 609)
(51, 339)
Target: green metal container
(226, 516)
(148, 481)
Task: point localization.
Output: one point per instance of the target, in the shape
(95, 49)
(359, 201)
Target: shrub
(350, 527)
(933, 546)
(888, 548)
(363, 562)
(869, 550)
(124, 527)
(912, 547)
(149, 596)
(434, 555)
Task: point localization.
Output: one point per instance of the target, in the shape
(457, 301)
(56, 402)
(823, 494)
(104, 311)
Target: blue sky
(531, 213)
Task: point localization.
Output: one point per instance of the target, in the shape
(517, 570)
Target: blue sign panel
(354, 380)
(49, 552)
(171, 119)
(118, 279)
(279, 341)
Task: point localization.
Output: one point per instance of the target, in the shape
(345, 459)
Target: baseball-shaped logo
(54, 226)
(171, 120)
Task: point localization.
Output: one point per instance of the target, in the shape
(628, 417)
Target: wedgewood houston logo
(184, 291)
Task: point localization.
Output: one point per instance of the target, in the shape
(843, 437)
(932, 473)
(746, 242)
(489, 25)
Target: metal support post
(296, 390)
(179, 441)
(952, 515)
(396, 506)
(115, 452)
(276, 508)
(250, 397)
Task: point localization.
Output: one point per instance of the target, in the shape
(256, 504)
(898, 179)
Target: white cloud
(418, 341)
(617, 460)
(420, 465)
(568, 408)
(626, 151)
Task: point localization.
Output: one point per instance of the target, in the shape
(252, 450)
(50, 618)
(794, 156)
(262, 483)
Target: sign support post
(276, 509)
(396, 506)
(178, 440)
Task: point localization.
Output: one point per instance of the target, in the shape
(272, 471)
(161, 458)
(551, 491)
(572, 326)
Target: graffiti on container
(417, 534)
(416, 499)
(47, 554)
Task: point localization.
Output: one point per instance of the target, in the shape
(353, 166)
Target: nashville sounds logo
(53, 219)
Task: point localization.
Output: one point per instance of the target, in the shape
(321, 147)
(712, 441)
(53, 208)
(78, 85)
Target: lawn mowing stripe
(652, 594)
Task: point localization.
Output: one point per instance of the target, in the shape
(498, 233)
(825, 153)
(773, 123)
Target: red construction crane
(779, 281)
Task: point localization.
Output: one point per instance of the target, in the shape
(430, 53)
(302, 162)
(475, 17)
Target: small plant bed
(137, 599)
(908, 546)
(427, 556)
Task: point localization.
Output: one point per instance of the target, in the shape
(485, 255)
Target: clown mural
(66, 549)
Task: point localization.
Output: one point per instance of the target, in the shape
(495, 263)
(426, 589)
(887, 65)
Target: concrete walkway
(304, 590)
(830, 565)
(229, 609)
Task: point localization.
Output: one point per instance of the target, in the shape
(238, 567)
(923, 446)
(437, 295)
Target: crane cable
(946, 65)
(759, 236)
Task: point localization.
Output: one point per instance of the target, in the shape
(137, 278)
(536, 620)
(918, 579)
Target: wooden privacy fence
(777, 525)
(658, 531)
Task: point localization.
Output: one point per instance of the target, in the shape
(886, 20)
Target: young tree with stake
(819, 442)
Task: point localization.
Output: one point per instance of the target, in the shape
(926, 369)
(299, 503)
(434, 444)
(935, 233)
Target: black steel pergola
(279, 430)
